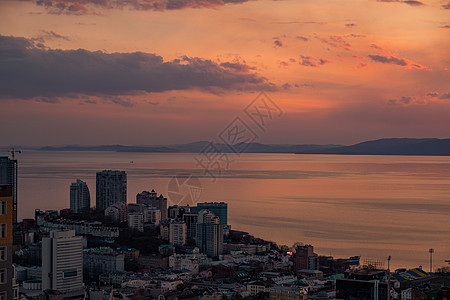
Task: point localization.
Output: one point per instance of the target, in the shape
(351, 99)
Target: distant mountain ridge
(194, 147)
(391, 146)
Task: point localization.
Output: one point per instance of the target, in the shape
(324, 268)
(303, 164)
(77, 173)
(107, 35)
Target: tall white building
(80, 198)
(62, 263)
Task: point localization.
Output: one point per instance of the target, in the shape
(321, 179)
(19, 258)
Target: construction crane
(12, 151)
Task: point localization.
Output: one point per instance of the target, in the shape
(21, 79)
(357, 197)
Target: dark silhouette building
(305, 259)
(8, 175)
(152, 199)
(111, 188)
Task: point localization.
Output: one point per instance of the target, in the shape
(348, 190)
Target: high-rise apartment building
(8, 175)
(209, 235)
(8, 286)
(177, 233)
(220, 209)
(80, 198)
(305, 258)
(111, 188)
(62, 264)
(153, 200)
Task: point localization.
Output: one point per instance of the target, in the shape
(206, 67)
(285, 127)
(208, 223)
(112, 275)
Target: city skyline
(152, 73)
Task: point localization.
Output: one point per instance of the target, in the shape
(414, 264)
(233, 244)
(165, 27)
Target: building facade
(102, 260)
(117, 213)
(62, 263)
(8, 176)
(136, 221)
(177, 233)
(80, 198)
(220, 209)
(111, 188)
(8, 286)
(305, 259)
(153, 200)
(209, 234)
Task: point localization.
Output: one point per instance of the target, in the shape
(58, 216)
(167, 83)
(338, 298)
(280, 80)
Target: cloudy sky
(148, 72)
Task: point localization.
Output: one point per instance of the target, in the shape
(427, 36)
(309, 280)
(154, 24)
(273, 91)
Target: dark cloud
(309, 61)
(237, 67)
(389, 60)
(445, 27)
(121, 101)
(376, 47)
(405, 101)
(395, 61)
(445, 96)
(335, 41)
(49, 73)
(49, 35)
(433, 94)
(51, 100)
(409, 2)
(80, 7)
(278, 43)
(302, 38)
(350, 25)
(446, 6)
(414, 3)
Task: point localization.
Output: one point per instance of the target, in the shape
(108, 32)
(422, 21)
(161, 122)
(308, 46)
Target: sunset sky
(143, 72)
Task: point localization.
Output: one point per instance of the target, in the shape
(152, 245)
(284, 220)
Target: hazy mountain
(195, 147)
(397, 146)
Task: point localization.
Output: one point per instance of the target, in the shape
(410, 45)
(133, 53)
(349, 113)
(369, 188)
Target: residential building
(136, 221)
(111, 188)
(209, 235)
(62, 264)
(101, 260)
(153, 200)
(191, 224)
(191, 262)
(8, 176)
(177, 233)
(152, 215)
(220, 209)
(117, 213)
(305, 259)
(8, 285)
(80, 198)
(173, 231)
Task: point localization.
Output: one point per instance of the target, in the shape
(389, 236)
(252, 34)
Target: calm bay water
(373, 206)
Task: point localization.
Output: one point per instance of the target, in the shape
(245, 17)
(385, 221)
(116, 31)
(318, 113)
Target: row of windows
(2, 230)
(3, 207)
(2, 276)
(3, 253)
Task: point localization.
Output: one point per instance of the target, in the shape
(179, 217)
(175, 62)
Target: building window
(2, 230)
(2, 295)
(2, 276)
(3, 253)
(2, 207)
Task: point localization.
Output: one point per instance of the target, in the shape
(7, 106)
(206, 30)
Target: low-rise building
(101, 260)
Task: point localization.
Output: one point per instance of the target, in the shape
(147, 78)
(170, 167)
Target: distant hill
(195, 147)
(396, 146)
